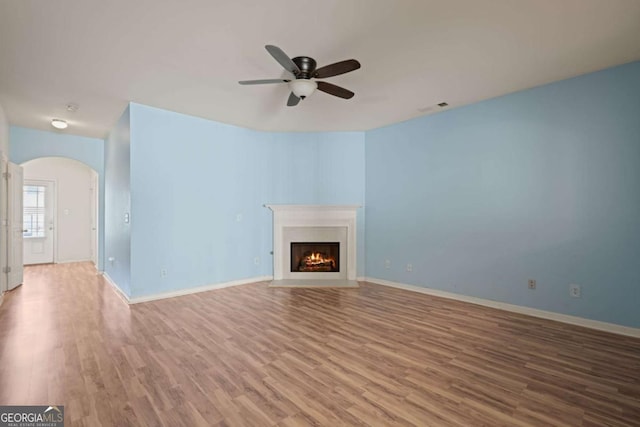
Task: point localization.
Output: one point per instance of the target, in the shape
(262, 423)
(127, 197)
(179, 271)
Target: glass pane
(34, 210)
(30, 198)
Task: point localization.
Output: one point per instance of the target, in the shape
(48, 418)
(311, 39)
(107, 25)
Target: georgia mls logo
(53, 408)
(31, 416)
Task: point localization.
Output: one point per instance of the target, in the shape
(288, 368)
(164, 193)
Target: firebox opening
(315, 257)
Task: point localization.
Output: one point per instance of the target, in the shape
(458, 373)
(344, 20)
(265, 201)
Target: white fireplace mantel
(290, 217)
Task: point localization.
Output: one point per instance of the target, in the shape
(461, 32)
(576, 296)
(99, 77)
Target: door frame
(15, 213)
(95, 217)
(4, 224)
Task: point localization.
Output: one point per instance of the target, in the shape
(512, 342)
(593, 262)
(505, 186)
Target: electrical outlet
(531, 283)
(256, 260)
(575, 291)
(409, 267)
(163, 272)
(387, 263)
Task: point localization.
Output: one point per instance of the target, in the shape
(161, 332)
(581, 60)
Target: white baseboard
(115, 287)
(181, 292)
(564, 318)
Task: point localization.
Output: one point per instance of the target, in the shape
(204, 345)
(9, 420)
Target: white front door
(14, 262)
(39, 221)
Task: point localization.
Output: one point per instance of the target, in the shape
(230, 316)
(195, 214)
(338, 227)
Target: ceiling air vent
(432, 108)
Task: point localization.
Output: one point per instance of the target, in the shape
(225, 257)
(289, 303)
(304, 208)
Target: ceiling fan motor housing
(306, 65)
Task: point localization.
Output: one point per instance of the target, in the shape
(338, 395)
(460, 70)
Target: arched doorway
(61, 198)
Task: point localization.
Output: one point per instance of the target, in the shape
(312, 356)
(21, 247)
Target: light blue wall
(28, 144)
(541, 184)
(4, 133)
(118, 203)
(191, 178)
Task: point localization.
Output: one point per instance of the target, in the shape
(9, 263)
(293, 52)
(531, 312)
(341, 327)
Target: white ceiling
(188, 55)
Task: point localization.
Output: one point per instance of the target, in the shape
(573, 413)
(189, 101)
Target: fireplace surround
(319, 224)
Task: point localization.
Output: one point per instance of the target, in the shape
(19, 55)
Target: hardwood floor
(257, 356)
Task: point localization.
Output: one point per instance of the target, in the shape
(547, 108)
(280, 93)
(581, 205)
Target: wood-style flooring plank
(257, 356)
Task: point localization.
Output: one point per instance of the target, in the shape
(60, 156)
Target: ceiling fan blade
(262, 82)
(283, 59)
(293, 100)
(336, 69)
(334, 90)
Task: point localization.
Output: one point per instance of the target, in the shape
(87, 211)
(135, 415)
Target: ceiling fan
(304, 70)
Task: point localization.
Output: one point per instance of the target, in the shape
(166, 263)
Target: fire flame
(317, 261)
(317, 257)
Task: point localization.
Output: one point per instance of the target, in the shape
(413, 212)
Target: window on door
(33, 211)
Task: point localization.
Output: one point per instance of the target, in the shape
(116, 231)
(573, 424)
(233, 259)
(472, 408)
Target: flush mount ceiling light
(59, 124)
(302, 87)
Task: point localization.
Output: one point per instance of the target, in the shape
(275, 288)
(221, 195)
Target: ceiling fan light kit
(304, 70)
(302, 88)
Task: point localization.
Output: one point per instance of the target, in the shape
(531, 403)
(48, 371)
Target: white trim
(1, 298)
(198, 289)
(115, 287)
(564, 318)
